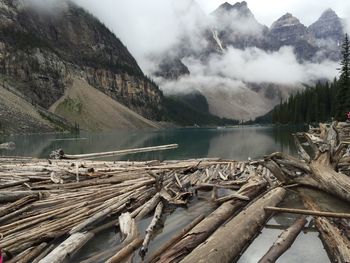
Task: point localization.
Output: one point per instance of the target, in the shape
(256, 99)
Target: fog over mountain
(227, 51)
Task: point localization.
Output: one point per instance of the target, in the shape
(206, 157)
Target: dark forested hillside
(322, 102)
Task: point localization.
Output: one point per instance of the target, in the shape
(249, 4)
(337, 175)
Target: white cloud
(258, 66)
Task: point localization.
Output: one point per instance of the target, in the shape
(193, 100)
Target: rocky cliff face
(288, 31)
(237, 27)
(40, 51)
(328, 31)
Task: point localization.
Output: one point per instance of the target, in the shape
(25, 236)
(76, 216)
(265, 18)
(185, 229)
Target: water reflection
(231, 143)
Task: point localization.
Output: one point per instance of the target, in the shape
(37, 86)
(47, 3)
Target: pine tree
(343, 94)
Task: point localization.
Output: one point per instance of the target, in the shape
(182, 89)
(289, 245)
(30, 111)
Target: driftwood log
(337, 244)
(320, 168)
(284, 241)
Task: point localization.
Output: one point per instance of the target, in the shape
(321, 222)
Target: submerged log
(154, 257)
(284, 241)
(8, 146)
(308, 212)
(150, 229)
(126, 251)
(337, 245)
(228, 241)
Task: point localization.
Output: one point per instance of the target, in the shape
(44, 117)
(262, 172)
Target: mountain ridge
(232, 30)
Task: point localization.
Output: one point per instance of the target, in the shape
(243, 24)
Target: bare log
(232, 196)
(17, 205)
(126, 251)
(33, 253)
(149, 206)
(120, 152)
(330, 181)
(284, 241)
(153, 258)
(229, 240)
(65, 249)
(307, 212)
(10, 196)
(150, 229)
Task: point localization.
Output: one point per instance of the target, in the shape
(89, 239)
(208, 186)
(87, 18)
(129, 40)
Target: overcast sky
(267, 11)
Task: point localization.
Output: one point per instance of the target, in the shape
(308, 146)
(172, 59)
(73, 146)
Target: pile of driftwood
(49, 209)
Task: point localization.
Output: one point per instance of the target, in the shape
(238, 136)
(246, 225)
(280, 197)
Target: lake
(237, 143)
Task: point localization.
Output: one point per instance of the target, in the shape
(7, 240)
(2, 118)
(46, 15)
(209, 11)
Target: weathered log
(206, 227)
(65, 249)
(44, 253)
(14, 183)
(330, 181)
(232, 196)
(33, 253)
(148, 207)
(126, 251)
(150, 229)
(154, 257)
(10, 196)
(301, 151)
(228, 241)
(120, 152)
(337, 245)
(307, 212)
(8, 146)
(17, 205)
(284, 241)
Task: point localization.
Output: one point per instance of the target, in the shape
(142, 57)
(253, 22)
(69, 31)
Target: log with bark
(284, 241)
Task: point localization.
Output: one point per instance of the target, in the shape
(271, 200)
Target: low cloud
(252, 65)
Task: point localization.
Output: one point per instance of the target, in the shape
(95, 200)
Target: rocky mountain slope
(43, 50)
(233, 26)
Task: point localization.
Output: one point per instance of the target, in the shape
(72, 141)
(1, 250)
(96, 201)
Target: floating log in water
(150, 229)
(284, 241)
(59, 154)
(307, 212)
(154, 257)
(337, 245)
(8, 146)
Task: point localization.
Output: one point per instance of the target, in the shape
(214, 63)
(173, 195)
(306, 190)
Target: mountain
(43, 51)
(234, 27)
(328, 26)
(290, 32)
(328, 31)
